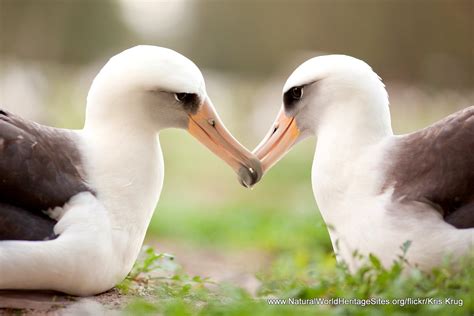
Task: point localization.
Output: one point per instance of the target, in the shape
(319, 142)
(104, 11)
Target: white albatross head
(332, 90)
(150, 88)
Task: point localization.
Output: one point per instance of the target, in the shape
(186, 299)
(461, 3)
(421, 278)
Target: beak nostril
(275, 129)
(212, 122)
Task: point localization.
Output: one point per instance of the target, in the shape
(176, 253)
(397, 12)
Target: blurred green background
(52, 49)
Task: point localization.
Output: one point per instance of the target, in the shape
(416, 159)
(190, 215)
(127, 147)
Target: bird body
(377, 190)
(366, 215)
(97, 237)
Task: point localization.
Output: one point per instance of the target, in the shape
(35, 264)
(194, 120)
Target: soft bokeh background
(52, 49)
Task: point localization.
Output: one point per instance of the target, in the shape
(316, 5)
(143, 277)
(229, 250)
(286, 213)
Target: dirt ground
(237, 268)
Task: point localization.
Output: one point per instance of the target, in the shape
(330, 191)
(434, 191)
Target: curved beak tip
(250, 175)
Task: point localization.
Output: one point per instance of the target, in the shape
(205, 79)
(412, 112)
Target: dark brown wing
(436, 165)
(40, 167)
(20, 224)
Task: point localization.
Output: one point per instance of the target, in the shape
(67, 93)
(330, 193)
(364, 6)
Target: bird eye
(297, 93)
(181, 97)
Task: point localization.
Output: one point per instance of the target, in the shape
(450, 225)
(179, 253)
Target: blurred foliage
(69, 32)
(411, 40)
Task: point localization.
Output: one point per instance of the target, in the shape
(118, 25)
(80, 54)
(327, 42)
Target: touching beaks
(281, 137)
(207, 127)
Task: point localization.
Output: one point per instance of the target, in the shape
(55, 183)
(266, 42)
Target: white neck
(346, 174)
(125, 165)
(347, 136)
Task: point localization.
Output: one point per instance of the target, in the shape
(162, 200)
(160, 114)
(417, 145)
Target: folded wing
(40, 168)
(436, 165)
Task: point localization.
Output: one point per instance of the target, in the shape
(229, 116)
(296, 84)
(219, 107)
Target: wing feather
(436, 164)
(40, 167)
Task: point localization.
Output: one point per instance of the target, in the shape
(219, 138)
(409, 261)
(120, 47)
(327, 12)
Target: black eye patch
(292, 96)
(189, 101)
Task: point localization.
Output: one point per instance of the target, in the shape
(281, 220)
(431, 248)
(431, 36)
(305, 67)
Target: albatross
(374, 189)
(75, 204)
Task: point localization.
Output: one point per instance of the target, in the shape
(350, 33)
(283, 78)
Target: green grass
(180, 294)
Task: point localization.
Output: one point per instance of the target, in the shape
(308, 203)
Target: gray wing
(436, 165)
(40, 168)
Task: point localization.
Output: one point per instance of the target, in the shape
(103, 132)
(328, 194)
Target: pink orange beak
(281, 137)
(206, 126)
